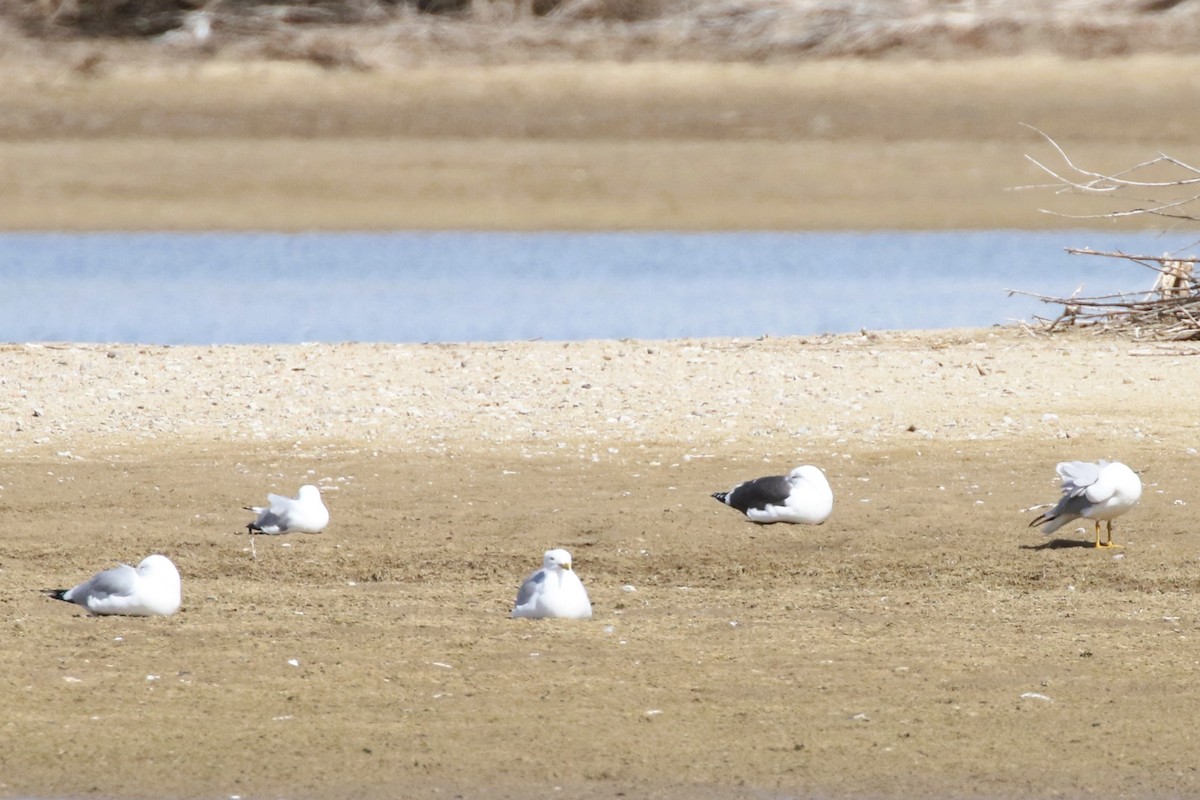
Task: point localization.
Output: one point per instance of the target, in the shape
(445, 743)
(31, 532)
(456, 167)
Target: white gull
(553, 591)
(1100, 492)
(152, 589)
(305, 513)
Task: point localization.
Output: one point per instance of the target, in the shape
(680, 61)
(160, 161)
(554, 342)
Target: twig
(1086, 251)
(1114, 181)
(1077, 179)
(1171, 309)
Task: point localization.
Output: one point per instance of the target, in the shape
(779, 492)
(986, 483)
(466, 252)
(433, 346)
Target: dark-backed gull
(802, 496)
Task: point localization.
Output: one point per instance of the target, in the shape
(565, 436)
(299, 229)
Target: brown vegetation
(755, 30)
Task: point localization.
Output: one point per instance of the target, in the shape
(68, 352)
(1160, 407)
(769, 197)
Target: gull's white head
(158, 567)
(308, 492)
(807, 472)
(556, 559)
(163, 590)
(1127, 484)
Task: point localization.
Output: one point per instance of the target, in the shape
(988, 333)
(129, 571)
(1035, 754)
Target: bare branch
(1173, 196)
(1165, 259)
(1103, 182)
(1170, 310)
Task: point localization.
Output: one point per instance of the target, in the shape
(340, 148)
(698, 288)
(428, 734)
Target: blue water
(219, 288)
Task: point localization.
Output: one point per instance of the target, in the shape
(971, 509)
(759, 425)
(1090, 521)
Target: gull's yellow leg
(1109, 543)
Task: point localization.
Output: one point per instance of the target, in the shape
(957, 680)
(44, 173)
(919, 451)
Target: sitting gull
(803, 495)
(304, 513)
(151, 589)
(553, 591)
(1101, 491)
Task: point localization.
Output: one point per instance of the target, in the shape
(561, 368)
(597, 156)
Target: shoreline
(464, 385)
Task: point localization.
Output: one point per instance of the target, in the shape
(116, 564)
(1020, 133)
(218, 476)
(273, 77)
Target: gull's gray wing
(1070, 507)
(277, 517)
(118, 581)
(1077, 476)
(281, 510)
(269, 520)
(280, 504)
(529, 586)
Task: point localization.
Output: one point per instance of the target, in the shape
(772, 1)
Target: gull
(1101, 491)
(150, 590)
(304, 513)
(553, 591)
(803, 496)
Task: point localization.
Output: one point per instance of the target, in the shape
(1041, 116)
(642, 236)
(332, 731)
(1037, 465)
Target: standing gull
(151, 589)
(553, 591)
(304, 513)
(1101, 491)
(803, 496)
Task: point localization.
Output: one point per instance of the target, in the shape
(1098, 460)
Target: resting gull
(304, 513)
(553, 591)
(803, 495)
(1101, 491)
(151, 589)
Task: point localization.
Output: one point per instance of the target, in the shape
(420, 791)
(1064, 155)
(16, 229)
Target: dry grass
(729, 30)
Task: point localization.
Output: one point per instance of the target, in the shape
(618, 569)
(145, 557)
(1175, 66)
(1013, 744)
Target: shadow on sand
(1060, 544)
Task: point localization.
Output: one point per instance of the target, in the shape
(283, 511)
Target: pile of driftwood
(1170, 310)
(1163, 187)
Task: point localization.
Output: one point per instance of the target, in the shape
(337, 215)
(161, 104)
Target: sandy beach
(922, 642)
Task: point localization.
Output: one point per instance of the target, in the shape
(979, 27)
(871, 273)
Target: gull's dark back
(757, 493)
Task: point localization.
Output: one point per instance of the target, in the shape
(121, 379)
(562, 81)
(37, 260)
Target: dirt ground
(922, 643)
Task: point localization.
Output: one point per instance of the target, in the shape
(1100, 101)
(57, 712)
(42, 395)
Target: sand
(820, 145)
(922, 643)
